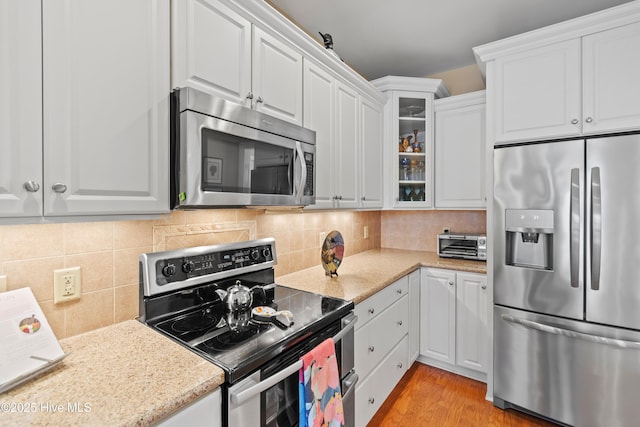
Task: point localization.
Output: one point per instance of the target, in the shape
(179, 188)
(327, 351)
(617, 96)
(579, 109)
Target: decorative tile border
(170, 237)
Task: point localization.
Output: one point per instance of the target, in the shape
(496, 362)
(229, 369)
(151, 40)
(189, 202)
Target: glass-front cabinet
(409, 140)
(414, 150)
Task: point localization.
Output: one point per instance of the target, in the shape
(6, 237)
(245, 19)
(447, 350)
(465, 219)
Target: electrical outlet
(366, 232)
(3, 283)
(323, 236)
(67, 285)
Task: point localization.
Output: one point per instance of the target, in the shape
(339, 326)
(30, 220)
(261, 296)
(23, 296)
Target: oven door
(269, 397)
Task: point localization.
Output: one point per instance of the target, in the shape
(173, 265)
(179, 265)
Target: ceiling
(420, 38)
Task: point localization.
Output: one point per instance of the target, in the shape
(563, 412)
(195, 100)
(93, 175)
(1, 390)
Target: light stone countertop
(122, 375)
(130, 375)
(366, 273)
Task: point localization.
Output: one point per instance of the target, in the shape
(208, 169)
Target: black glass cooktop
(238, 343)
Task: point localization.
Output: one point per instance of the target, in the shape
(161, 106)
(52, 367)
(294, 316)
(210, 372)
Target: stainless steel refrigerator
(567, 280)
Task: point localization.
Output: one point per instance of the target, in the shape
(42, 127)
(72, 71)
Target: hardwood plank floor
(428, 396)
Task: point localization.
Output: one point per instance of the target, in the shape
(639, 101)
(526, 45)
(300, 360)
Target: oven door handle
(246, 394)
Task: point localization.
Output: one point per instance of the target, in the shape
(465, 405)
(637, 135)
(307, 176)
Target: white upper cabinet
(611, 80)
(347, 165)
(277, 77)
(460, 151)
(211, 49)
(538, 93)
(20, 109)
(217, 50)
(319, 115)
(408, 140)
(106, 106)
(348, 130)
(85, 119)
(571, 79)
(371, 154)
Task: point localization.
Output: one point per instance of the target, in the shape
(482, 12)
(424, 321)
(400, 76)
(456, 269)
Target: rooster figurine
(328, 44)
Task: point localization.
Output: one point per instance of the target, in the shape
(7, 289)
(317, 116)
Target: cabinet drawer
(374, 341)
(373, 391)
(369, 308)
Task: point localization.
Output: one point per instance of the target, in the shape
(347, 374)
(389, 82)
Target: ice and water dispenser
(529, 238)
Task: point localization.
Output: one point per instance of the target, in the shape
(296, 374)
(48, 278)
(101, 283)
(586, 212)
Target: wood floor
(428, 396)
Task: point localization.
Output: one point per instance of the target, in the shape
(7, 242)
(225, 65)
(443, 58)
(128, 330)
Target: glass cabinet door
(414, 151)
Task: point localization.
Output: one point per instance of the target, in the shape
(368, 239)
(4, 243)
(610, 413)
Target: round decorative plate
(332, 252)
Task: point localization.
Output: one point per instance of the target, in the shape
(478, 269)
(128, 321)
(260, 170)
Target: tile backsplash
(107, 252)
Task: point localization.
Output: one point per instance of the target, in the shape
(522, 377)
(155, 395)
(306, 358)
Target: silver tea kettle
(238, 296)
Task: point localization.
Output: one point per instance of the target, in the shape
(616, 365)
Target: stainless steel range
(222, 303)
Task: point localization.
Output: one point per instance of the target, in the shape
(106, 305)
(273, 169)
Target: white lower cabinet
(381, 346)
(373, 391)
(453, 321)
(204, 412)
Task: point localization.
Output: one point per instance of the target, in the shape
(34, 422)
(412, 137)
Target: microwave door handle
(240, 397)
(303, 173)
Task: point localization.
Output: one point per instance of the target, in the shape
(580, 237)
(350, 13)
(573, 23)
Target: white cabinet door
(611, 64)
(211, 49)
(204, 412)
(414, 316)
(460, 152)
(347, 146)
(371, 157)
(471, 321)
(319, 115)
(276, 77)
(538, 93)
(438, 314)
(106, 109)
(20, 108)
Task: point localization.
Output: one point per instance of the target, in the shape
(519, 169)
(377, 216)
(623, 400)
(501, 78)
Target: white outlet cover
(60, 293)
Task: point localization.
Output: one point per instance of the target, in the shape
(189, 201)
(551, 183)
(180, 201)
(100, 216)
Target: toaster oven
(464, 246)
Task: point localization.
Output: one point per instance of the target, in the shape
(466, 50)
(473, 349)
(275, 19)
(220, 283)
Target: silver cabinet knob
(400, 323)
(484, 286)
(363, 198)
(450, 283)
(31, 186)
(400, 365)
(371, 348)
(574, 121)
(59, 187)
(372, 400)
(259, 100)
(588, 120)
(399, 291)
(250, 95)
(372, 310)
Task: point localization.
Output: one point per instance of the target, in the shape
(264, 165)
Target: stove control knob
(255, 254)
(266, 252)
(169, 270)
(188, 266)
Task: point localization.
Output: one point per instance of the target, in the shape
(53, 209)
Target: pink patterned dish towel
(320, 388)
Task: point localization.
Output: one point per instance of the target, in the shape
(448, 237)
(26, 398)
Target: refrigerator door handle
(596, 228)
(631, 345)
(574, 225)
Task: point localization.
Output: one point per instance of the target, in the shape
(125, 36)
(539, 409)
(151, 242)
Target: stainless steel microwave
(224, 154)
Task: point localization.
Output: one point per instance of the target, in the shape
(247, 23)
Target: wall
(462, 80)
(418, 230)
(107, 253)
